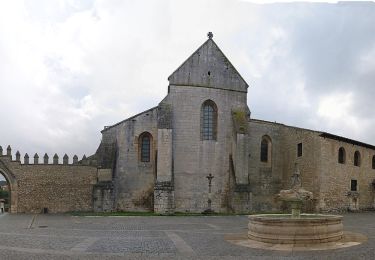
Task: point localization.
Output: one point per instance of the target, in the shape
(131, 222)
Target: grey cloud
(98, 62)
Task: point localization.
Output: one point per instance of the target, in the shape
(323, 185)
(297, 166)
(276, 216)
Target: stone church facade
(160, 159)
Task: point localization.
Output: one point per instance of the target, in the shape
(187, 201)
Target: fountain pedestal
(284, 229)
(295, 228)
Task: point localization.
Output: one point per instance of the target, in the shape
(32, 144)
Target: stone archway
(13, 187)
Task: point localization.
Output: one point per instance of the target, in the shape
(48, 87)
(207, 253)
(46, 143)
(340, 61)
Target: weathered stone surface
(309, 229)
(208, 67)
(55, 187)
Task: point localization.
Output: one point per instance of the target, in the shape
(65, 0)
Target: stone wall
(336, 177)
(193, 158)
(36, 188)
(265, 177)
(133, 180)
(268, 178)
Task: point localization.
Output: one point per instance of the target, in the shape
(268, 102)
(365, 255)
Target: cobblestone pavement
(68, 237)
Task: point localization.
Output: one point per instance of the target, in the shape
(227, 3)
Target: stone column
(45, 158)
(9, 151)
(55, 159)
(164, 188)
(75, 159)
(26, 159)
(18, 156)
(241, 162)
(36, 159)
(65, 159)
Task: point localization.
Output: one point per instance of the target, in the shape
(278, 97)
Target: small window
(145, 147)
(265, 149)
(341, 155)
(353, 185)
(373, 162)
(299, 150)
(357, 159)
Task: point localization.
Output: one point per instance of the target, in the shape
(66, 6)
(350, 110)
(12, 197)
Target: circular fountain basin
(283, 229)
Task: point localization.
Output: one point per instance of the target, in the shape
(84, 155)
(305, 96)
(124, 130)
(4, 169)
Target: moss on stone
(240, 121)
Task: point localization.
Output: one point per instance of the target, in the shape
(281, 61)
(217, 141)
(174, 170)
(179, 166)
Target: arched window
(265, 149)
(342, 155)
(209, 120)
(357, 159)
(145, 140)
(373, 162)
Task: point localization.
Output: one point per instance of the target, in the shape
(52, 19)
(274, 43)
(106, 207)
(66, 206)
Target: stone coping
(274, 218)
(349, 239)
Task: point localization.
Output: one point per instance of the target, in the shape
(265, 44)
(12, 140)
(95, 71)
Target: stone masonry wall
(267, 179)
(133, 180)
(193, 158)
(336, 177)
(56, 187)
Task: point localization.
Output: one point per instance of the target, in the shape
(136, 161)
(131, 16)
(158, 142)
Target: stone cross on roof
(210, 35)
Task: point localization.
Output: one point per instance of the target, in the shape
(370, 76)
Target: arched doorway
(4, 195)
(10, 192)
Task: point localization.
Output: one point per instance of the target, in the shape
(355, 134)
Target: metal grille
(145, 149)
(209, 122)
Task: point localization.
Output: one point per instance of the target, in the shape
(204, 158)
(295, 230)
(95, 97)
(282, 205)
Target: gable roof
(208, 67)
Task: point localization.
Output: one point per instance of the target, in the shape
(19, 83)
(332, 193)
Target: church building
(199, 150)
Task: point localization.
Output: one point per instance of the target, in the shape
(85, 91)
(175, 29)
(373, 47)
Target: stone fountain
(295, 228)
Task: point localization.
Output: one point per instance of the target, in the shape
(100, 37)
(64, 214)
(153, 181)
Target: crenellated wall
(47, 186)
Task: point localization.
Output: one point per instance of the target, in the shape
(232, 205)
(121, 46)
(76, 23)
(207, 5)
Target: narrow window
(341, 155)
(145, 147)
(299, 150)
(357, 158)
(209, 120)
(373, 162)
(264, 151)
(353, 185)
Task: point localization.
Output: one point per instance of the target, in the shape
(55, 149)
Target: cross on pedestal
(209, 177)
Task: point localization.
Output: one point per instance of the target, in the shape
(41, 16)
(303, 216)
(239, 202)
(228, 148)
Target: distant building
(4, 186)
(2, 207)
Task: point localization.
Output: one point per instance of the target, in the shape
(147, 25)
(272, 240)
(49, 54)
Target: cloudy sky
(68, 68)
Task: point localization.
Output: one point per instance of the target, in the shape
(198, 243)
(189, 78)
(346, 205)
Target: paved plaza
(69, 237)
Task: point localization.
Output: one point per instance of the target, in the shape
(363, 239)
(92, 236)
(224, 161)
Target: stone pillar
(55, 159)
(9, 151)
(241, 160)
(75, 159)
(353, 200)
(65, 159)
(84, 160)
(45, 158)
(18, 156)
(164, 188)
(36, 158)
(26, 159)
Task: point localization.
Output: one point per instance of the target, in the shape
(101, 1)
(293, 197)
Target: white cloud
(68, 69)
